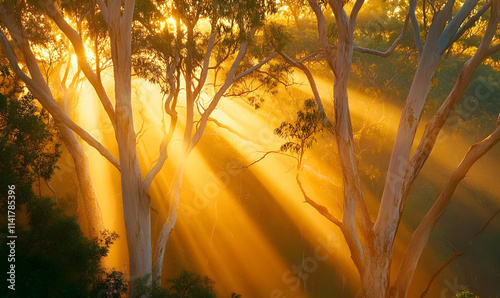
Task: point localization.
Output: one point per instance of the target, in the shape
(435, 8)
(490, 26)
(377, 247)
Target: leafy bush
(187, 284)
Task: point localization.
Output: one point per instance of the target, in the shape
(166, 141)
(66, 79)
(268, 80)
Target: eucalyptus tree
(186, 54)
(197, 46)
(371, 240)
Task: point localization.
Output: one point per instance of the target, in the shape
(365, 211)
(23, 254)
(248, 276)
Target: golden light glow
(246, 228)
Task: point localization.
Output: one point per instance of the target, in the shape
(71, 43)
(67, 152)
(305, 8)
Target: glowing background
(248, 229)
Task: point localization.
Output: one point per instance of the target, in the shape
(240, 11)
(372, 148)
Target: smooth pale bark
(169, 225)
(421, 235)
(136, 205)
(371, 245)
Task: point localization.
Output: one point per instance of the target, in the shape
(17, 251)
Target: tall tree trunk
(168, 226)
(135, 200)
(375, 272)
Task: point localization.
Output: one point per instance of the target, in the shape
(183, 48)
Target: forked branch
(421, 235)
(320, 208)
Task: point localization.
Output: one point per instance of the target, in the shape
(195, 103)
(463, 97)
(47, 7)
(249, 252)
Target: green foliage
(277, 36)
(110, 285)
(301, 133)
(29, 147)
(164, 53)
(187, 284)
(142, 288)
(465, 294)
(190, 284)
(53, 257)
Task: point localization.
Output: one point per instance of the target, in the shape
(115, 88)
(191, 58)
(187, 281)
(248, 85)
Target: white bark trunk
(169, 225)
(136, 205)
(375, 273)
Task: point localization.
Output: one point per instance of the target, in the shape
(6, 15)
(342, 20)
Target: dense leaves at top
(175, 34)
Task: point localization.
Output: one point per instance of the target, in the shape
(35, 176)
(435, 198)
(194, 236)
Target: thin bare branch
(104, 10)
(230, 79)
(230, 129)
(323, 34)
(458, 254)
(255, 67)
(320, 208)
(454, 24)
(472, 20)
(314, 88)
(354, 14)
(264, 156)
(51, 189)
(205, 68)
(437, 122)
(421, 235)
(391, 49)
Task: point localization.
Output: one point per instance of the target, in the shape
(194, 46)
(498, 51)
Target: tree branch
(458, 254)
(472, 20)
(433, 128)
(104, 10)
(323, 37)
(320, 208)
(206, 61)
(255, 67)
(264, 156)
(416, 29)
(230, 129)
(50, 104)
(391, 49)
(314, 89)
(454, 24)
(230, 79)
(421, 235)
(354, 14)
(77, 43)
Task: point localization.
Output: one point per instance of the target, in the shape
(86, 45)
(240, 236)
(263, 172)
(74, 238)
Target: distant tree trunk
(91, 205)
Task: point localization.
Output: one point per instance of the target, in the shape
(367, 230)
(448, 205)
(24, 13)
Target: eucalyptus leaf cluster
(301, 132)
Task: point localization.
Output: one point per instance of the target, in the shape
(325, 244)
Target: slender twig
(264, 156)
(53, 191)
(458, 254)
(230, 129)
